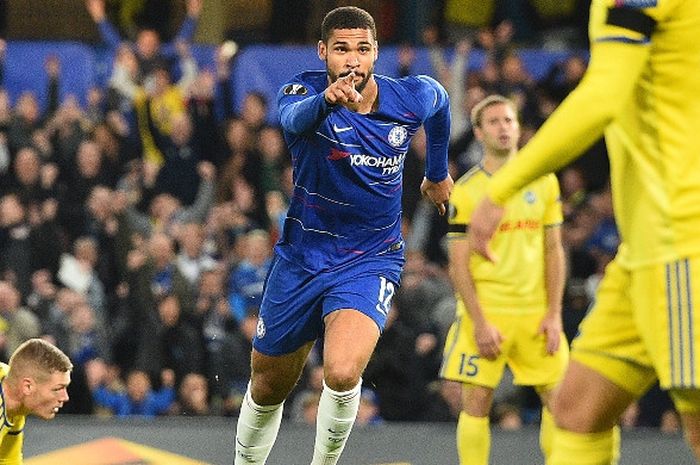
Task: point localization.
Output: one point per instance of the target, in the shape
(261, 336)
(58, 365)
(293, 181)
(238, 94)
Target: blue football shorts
(295, 301)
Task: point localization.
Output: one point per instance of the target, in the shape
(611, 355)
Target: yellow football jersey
(516, 283)
(11, 430)
(641, 90)
(653, 142)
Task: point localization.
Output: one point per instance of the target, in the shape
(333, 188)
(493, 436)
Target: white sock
(336, 415)
(256, 431)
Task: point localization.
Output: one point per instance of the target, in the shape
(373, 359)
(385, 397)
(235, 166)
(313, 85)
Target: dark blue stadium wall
(260, 68)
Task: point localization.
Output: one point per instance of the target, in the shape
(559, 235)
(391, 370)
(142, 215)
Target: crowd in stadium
(136, 232)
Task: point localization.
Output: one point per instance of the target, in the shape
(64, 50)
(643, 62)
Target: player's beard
(358, 87)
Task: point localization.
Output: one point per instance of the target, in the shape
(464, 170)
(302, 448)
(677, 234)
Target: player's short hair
(38, 358)
(347, 17)
(495, 99)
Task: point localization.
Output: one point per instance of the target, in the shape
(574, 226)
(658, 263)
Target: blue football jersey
(347, 167)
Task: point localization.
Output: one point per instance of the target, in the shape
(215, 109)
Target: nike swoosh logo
(337, 129)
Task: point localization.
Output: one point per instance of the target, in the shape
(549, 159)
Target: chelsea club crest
(397, 136)
(260, 329)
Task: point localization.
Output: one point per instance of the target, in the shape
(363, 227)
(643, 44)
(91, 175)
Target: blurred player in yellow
(641, 90)
(509, 312)
(34, 383)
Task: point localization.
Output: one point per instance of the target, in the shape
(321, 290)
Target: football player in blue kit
(338, 261)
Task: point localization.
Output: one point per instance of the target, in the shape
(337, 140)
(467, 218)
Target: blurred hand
(484, 223)
(96, 8)
(194, 8)
(52, 66)
(150, 173)
(551, 327)
(488, 340)
(438, 192)
(206, 170)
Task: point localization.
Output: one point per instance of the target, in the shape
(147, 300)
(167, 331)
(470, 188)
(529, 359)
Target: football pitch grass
(77, 440)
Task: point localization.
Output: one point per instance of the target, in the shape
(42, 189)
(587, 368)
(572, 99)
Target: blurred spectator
(241, 347)
(15, 243)
(308, 404)
(368, 413)
(193, 397)
(254, 111)
(563, 77)
(465, 152)
(148, 48)
(66, 130)
(85, 173)
(160, 106)
(304, 404)
(653, 410)
(179, 342)
(30, 179)
(165, 277)
(87, 338)
(424, 287)
(212, 316)
(245, 196)
(139, 398)
(167, 213)
(78, 272)
(246, 280)
(178, 176)
(574, 190)
(404, 364)
(56, 325)
(226, 226)
(27, 117)
(192, 258)
(453, 77)
(42, 295)
(17, 323)
(273, 157)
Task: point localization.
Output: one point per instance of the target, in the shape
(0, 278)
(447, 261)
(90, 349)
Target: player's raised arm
(301, 109)
(578, 122)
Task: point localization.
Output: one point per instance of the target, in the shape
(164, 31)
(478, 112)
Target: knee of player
(267, 393)
(476, 400)
(574, 416)
(341, 377)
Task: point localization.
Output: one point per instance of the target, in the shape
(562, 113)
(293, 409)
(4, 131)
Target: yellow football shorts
(522, 349)
(642, 327)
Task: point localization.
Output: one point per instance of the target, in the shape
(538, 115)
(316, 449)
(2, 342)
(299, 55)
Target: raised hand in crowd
(96, 8)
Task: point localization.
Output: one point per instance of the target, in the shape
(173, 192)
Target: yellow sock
(547, 430)
(616, 444)
(583, 448)
(473, 440)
